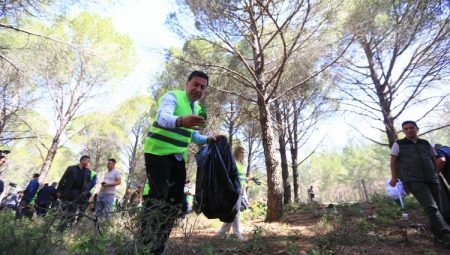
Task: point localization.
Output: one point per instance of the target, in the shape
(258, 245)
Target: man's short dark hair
(409, 122)
(198, 74)
(84, 157)
(112, 160)
(36, 175)
(2, 157)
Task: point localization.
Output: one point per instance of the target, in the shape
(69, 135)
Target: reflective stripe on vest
(93, 173)
(146, 188)
(165, 141)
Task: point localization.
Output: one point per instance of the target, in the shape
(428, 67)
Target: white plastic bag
(397, 192)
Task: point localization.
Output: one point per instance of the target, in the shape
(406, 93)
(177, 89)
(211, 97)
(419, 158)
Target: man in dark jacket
(46, 197)
(73, 188)
(413, 161)
(28, 195)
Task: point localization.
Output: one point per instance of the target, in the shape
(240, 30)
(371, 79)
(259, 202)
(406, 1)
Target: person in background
(73, 189)
(93, 178)
(311, 194)
(239, 157)
(45, 199)
(106, 196)
(93, 181)
(2, 162)
(28, 195)
(413, 162)
(443, 160)
(10, 201)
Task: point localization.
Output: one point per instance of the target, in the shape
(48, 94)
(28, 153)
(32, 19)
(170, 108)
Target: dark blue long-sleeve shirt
(46, 195)
(31, 190)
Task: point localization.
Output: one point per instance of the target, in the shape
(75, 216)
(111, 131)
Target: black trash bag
(217, 184)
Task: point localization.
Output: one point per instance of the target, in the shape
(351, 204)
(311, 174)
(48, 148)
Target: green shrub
(256, 211)
(256, 244)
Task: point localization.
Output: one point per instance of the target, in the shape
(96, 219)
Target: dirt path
(304, 231)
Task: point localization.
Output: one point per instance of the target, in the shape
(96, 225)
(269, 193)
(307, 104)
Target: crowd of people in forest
(176, 125)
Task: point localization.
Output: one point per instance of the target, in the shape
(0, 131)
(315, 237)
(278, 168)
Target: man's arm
(165, 111)
(93, 182)
(395, 151)
(166, 118)
(118, 181)
(394, 170)
(28, 188)
(62, 182)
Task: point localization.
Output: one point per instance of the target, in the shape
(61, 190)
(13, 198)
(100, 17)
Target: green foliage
(345, 233)
(90, 244)
(291, 207)
(256, 211)
(387, 207)
(208, 249)
(255, 244)
(292, 248)
(352, 210)
(26, 236)
(341, 172)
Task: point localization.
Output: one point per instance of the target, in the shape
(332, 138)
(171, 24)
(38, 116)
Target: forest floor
(377, 227)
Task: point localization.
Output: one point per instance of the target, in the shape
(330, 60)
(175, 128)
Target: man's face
(2, 161)
(85, 162)
(410, 130)
(196, 88)
(110, 165)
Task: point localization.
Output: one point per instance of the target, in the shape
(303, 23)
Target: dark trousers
(162, 206)
(23, 209)
(428, 195)
(43, 207)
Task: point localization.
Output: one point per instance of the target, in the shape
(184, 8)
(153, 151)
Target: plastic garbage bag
(397, 192)
(217, 183)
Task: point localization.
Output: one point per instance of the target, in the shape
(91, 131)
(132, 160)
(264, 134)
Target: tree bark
(51, 153)
(293, 144)
(274, 192)
(283, 155)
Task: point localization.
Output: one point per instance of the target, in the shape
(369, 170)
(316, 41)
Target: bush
(256, 244)
(341, 233)
(27, 236)
(256, 211)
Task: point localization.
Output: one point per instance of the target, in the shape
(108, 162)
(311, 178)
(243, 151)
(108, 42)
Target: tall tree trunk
(283, 155)
(391, 132)
(382, 94)
(51, 153)
(249, 156)
(274, 193)
(293, 144)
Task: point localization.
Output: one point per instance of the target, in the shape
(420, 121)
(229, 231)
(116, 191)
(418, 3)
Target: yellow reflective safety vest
(165, 141)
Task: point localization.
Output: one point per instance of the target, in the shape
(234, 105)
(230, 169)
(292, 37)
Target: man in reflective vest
(166, 149)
